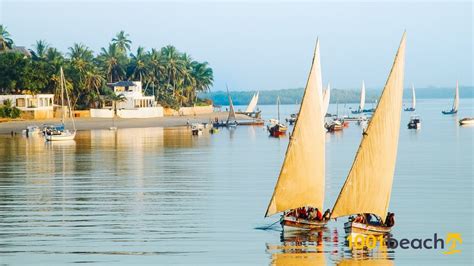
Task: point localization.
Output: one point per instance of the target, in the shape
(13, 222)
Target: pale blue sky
(259, 46)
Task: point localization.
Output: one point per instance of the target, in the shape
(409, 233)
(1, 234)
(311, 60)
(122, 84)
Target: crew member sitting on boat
(371, 219)
(309, 213)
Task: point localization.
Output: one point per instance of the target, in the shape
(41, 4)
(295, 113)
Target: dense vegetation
(173, 77)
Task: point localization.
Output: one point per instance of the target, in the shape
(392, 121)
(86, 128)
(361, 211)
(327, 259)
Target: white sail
(369, 183)
(413, 96)
(231, 116)
(301, 181)
(253, 104)
(362, 97)
(326, 99)
(456, 98)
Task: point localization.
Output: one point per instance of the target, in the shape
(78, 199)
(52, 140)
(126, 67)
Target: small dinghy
(276, 128)
(466, 121)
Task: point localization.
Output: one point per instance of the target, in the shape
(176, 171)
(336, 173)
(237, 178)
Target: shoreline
(106, 123)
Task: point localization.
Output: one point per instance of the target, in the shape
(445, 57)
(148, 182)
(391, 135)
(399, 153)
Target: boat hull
(466, 121)
(451, 112)
(61, 137)
(411, 109)
(355, 228)
(297, 224)
(277, 130)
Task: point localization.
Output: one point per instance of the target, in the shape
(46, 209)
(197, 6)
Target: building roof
(123, 83)
(18, 49)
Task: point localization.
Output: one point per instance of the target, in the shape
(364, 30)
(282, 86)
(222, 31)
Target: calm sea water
(162, 196)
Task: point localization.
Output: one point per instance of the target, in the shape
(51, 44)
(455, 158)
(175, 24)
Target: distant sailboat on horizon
(413, 100)
(455, 107)
(362, 100)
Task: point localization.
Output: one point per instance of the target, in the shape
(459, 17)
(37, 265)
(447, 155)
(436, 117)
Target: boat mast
(61, 77)
(68, 102)
(278, 108)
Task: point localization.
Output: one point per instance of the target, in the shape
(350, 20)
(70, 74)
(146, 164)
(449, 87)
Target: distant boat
(59, 133)
(455, 107)
(231, 120)
(196, 129)
(362, 100)
(276, 128)
(415, 122)
(466, 121)
(301, 181)
(335, 125)
(251, 108)
(413, 100)
(292, 119)
(368, 186)
(326, 99)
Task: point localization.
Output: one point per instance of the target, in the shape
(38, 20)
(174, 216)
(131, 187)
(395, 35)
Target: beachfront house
(135, 104)
(39, 106)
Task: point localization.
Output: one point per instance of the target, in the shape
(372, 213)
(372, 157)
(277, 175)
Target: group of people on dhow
(313, 214)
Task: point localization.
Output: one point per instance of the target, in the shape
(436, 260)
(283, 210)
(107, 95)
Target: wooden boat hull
(297, 224)
(61, 137)
(277, 130)
(252, 123)
(365, 229)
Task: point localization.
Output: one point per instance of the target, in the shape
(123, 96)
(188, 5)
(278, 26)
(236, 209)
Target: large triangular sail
(301, 180)
(326, 99)
(456, 98)
(362, 97)
(253, 104)
(369, 183)
(413, 96)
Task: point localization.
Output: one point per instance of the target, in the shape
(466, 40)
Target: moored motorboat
(31, 131)
(415, 122)
(336, 125)
(299, 191)
(292, 119)
(466, 121)
(368, 186)
(275, 128)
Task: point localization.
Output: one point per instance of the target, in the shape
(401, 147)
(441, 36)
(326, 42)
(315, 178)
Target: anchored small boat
(196, 129)
(455, 107)
(231, 120)
(466, 121)
(59, 133)
(301, 182)
(276, 128)
(413, 100)
(415, 122)
(31, 131)
(335, 125)
(366, 191)
(251, 110)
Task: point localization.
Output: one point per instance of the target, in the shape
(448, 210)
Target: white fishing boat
(466, 121)
(32, 130)
(56, 134)
(197, 129)
(413, 100)
(368, 186)
(301, 181)
(415, 122)
(455, 107)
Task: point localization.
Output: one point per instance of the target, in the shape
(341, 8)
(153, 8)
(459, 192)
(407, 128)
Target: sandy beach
(105, 123)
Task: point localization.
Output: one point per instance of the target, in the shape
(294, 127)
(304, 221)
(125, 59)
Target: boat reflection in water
(299, 248)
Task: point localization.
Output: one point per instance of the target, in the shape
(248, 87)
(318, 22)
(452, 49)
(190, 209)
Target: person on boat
(319, 215)
(326, 215)
(302, 213)
(390, 220)
(360, 219)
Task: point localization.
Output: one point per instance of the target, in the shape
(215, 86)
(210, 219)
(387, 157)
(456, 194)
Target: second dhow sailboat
(413, 100)
(368, 186)
(301, 181)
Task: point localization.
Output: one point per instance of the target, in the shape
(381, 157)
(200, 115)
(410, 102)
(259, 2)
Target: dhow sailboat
(455, 107)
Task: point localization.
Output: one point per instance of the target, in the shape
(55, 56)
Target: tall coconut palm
(5, 39)
(40, 50)
(173, 65)
(122, 41)
(112, 61)
(138, 69)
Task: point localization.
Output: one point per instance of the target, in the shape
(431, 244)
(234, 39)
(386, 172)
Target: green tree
(5, 39)
(122, 41)
(138, 67)
(112, 62)
(40, 50)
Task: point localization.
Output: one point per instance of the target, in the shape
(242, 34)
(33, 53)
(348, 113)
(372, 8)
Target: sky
(262, 45)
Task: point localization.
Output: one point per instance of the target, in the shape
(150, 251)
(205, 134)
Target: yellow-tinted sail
(369, 184)
(301, 180)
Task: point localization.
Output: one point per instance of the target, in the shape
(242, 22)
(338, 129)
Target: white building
(40, 106)
(136, 105)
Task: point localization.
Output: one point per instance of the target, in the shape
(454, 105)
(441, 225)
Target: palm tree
(156, 69)
(5, 39)
(115, 99)
(95, 81)
(173, 65)
(80, 63)
(40, 49)
(138, 65)
(111, 61)
(122, 41)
